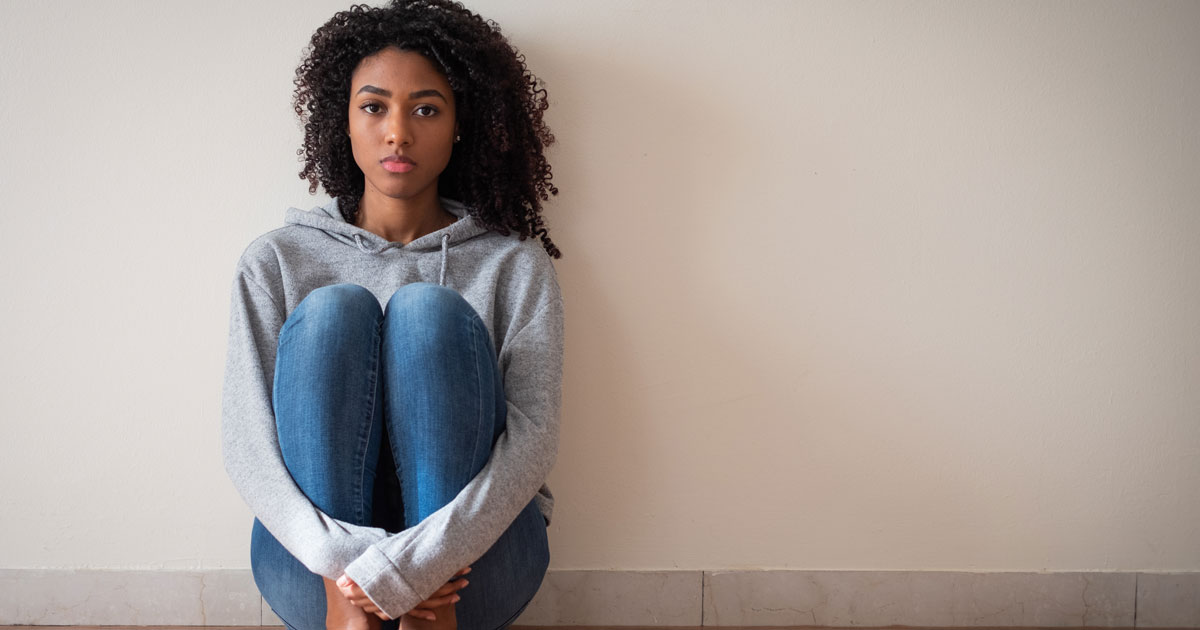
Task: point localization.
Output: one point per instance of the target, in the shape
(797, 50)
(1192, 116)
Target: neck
(402, 220)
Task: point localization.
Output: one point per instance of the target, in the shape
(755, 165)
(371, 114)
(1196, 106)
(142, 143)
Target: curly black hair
(498, 169)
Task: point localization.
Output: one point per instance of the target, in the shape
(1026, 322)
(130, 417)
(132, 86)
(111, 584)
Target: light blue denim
(421, 377)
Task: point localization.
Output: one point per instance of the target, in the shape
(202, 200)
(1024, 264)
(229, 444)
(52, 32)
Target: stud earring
(457, 138)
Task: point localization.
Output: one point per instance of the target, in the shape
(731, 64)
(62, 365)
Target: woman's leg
(329, 423)
(444, 407)
(508, 575)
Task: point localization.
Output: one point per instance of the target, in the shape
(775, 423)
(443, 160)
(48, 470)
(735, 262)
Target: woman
(412, 325)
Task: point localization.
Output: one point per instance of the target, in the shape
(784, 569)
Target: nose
(398, 131)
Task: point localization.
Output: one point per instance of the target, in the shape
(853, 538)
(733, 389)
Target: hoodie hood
(328, 219)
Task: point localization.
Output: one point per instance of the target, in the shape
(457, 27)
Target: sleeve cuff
(381, 581)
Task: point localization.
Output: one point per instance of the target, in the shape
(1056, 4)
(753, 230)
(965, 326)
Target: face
(402, 124)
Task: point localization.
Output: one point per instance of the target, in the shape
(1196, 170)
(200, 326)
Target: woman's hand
(355, 594)
(447, 594)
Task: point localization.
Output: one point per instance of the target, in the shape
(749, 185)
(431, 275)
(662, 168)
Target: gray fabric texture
(510, 282)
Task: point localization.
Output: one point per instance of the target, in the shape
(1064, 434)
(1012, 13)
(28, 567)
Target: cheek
(358, 134)
(447, 139)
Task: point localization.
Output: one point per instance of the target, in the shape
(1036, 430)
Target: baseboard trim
(779, 598)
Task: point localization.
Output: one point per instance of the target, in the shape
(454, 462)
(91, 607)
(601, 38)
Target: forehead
(397, 68)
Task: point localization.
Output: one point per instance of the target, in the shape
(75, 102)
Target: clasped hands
(447, 594)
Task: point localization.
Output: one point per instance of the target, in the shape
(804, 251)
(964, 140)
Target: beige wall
(850, 285)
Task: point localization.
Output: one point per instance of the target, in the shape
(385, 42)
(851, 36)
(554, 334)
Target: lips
(398, 164)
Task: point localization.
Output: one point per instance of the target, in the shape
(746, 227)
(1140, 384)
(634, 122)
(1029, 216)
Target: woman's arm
(250, 443)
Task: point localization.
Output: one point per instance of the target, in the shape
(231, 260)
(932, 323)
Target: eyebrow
(413, 95)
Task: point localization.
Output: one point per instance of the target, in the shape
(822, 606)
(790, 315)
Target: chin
(395, 191)
(403, 195)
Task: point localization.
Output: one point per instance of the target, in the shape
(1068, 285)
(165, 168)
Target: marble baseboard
(1168, 600)
(617, 598)
(136, 598)
(931, 599)
(926, 599)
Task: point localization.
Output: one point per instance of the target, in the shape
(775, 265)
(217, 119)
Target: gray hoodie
(510, 283)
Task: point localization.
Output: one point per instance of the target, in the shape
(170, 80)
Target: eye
(370, 107)
(425, 111)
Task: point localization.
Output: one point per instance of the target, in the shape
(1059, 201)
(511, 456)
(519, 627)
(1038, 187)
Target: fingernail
(455, 598)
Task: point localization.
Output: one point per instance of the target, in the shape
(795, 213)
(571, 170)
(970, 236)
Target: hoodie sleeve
(403, 570)
(250, 443)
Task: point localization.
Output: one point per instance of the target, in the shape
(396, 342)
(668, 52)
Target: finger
(375, 610)
(438, 602)
(450, 587)
(446, 589)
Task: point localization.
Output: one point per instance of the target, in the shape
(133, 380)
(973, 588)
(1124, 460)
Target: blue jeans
(416, 389)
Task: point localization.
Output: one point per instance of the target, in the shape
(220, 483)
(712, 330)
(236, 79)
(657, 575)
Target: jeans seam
(365, 436)
(478, 398)
(290, 626)
(514, 616)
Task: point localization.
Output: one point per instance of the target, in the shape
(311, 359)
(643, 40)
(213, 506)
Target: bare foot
(446, 620)
(341, 614)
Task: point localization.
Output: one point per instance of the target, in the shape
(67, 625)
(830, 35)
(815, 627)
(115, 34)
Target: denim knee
(430, 300)
(334, 306)
(426, 316)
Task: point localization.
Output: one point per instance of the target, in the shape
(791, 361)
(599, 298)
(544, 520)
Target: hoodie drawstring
(359, 241)
(445, 259)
